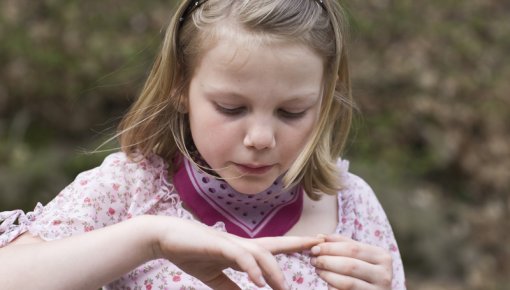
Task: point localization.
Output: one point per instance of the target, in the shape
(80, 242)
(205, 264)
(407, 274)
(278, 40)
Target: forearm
(85, 261)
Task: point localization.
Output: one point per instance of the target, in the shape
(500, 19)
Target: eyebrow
(300, 98)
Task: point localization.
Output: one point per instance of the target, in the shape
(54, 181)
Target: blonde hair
(157, 122)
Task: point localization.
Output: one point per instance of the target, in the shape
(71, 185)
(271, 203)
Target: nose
(260, 136)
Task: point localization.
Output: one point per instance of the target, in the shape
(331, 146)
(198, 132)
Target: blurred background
(432, 136)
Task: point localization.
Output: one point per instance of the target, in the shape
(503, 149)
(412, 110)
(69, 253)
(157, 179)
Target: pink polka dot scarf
(272, 212)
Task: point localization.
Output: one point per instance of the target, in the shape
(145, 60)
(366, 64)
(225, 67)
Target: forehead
(239, 38)
(246, 65)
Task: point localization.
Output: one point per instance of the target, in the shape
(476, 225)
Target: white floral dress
(120, 189)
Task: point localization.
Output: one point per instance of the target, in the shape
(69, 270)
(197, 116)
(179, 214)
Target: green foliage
(433, 91)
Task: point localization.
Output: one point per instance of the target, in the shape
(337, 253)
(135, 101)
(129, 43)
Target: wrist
(148, 228)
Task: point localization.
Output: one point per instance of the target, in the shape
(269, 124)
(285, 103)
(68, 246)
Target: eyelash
(229, 111)
(232, 112)
(291, 115)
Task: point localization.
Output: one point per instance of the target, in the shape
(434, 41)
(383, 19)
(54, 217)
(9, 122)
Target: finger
(349, 267)
(343, 282)
(284, 245)
(246, 262)
(258, 263)
(354, 249)
(267, 262)
(337, 238)
(272, 272)
(340, 238)
(222, 282)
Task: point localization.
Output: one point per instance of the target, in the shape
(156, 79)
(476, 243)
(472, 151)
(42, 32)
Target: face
(252, 109)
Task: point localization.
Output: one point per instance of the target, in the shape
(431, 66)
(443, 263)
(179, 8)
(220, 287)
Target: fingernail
(316, 250)
(262, 281)
(321, 236)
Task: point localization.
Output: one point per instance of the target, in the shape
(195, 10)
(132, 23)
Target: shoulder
(119, 169)
(354, 188)
(116, 190)
(118, 182)
(120, 162)
(359, 208)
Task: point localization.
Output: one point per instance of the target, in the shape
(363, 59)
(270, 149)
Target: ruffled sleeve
(115, 191)
(363, 219)
(9, 230)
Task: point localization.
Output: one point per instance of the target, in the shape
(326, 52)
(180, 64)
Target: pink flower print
(87, 228)
(56, 222)
(116, 187)
(377, 233)
(298, 278)
(84, 182)
(393, 248)
(111, 211)
(148, 284)
(176, 278)
(358, 225)
(87, 201)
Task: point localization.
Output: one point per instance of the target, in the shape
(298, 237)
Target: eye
(234, 111)
(291, 115)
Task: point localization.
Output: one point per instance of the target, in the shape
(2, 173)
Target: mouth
(253, 169)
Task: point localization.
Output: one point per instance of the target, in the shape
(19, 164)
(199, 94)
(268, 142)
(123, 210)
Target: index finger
(287, 244)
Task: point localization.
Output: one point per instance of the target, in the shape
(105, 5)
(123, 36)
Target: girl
(229, 176)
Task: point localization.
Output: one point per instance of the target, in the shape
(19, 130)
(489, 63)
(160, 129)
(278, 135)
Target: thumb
(287, 244)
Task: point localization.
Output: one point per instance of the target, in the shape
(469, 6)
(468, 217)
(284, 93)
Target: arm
(93, 259)
(85, 261)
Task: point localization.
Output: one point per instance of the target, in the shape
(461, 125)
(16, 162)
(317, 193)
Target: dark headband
(192, 5)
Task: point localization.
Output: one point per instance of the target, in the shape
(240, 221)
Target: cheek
(296, 138)
(211, 134)
(294, 143)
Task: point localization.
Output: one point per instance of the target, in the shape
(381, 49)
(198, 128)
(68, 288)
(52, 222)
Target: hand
(204, 253)
(347, 264)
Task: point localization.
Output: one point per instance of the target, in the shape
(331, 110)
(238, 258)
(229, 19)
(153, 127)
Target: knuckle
(386, 281)
(386, 258)
(350, 269)
(354, 250)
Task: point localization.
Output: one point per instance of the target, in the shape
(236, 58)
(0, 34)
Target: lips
(253, 169)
